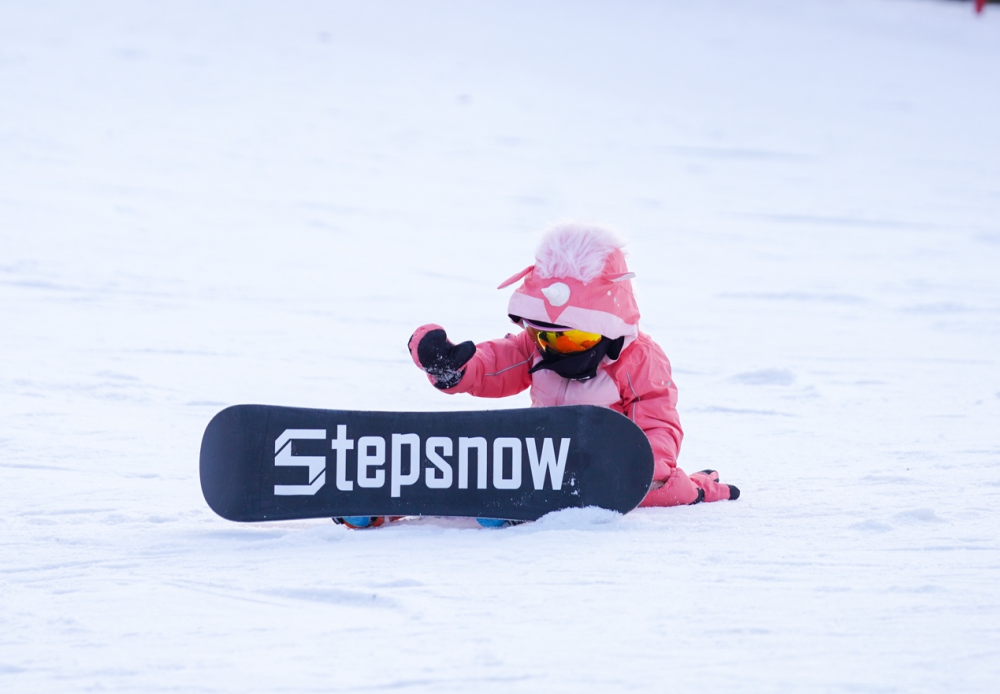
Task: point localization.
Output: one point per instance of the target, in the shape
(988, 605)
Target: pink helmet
(579, 280)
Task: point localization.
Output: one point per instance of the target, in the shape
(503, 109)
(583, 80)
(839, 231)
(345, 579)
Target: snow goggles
(563, 341)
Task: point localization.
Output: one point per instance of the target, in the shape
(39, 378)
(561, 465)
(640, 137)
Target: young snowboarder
(580, 345)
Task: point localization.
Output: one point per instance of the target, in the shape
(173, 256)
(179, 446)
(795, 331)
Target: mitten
(433, 352)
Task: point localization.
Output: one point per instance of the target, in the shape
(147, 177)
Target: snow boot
(359, 522)
(497, 522)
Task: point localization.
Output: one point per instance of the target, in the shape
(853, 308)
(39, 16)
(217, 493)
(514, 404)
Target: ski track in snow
(209, 204)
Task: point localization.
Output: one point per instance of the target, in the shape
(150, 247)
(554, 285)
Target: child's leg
(681, 489)
(678, 490)
(708, 482)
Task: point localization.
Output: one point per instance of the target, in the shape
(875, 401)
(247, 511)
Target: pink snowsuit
(638, 384)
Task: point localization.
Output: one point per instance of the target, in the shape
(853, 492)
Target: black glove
(442, 360)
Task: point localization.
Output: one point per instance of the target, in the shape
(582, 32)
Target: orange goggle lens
(564, 341)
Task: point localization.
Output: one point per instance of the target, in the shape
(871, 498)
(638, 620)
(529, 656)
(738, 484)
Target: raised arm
(493, 369)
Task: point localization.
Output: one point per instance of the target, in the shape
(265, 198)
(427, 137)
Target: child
(581, 345)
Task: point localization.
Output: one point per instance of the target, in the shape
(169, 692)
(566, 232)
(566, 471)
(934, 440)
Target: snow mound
(577, 518)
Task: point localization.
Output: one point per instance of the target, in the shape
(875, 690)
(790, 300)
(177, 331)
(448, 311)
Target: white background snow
(204, 204)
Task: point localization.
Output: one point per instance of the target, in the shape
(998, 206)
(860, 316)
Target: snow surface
(205, 204)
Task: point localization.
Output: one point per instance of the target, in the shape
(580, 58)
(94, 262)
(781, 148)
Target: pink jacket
(638, 384)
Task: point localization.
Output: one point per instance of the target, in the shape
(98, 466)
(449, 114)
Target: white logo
(405, 462)
(316, 463)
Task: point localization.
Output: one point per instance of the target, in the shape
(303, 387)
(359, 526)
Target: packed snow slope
(204, 204)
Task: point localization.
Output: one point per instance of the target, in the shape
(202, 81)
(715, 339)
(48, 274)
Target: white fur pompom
(575, 250)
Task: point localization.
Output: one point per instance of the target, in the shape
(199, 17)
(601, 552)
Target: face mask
(579, 366)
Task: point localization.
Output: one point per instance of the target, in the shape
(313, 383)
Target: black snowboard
(260, 462)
